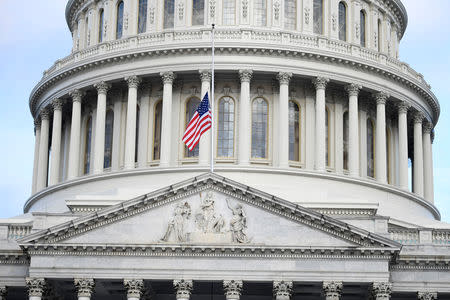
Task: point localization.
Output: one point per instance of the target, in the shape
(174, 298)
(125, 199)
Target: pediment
(208, 210)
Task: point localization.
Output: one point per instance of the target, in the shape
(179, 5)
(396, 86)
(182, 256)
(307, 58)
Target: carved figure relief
(208, 225)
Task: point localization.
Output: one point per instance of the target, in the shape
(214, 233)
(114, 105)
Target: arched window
(379, 35)
(345, 140)
(290, 14)
(342, 21)
(225, 130)
(136, 141)
(198, 12)
(191, 107)
(259, 128)
(101, 25)
(229, 12)
(88, 146)
(260, 12)
(362, 17)
(119, 22)
(318, 16)
(370, 148)
(109, 125)
(142, 17)
(327, 137)
(157, 131)
(294, 131)
(169, 9)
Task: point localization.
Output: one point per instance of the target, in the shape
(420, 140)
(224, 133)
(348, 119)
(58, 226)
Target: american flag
(200, 123)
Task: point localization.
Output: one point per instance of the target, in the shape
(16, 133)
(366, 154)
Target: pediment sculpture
(208, 224)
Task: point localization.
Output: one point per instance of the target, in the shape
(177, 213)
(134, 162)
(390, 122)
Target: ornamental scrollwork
(245, 75)
(276, 10)
(180, 10)
(426, 296)
(102, 87)
(133, 81)
(3, 292)
(353, 89)
(212, 8)
(167, 77)
(381, 97)
(284, 77)
(332, 289)
(307, 14)
(320, 82)
(205, 75)
(76, 95)
(57, 104)
(244, 9)
(84, 286)
(232, 288)
(357, 30)
(382, 290)
(183, 288)
(152, 15)
(418, 118)
(334, 22)
(134, 287)
(35, 286)
(403, 107)
(427, 127)
(282, 289)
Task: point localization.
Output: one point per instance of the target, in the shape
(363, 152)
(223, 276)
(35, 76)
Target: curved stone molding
(426, 296)
(232, 288)
(205, 75)
(245, 75)
(84, 286)
(57, 104)
(320, 82)
(168, 77)
(332, 290)
(102, 87)
(353, 89)
(36, 286)
(282, 290)
(284, 77)
(133, 81)
(381, 97)
(134, 287)
(76, 95)
(382, 290)
(183, 288)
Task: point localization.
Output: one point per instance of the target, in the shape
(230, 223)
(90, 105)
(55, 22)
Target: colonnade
(316, 134)
(232, 289)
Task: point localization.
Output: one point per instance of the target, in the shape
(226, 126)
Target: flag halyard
(199, 124)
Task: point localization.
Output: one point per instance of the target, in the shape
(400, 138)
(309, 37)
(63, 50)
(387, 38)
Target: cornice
(412, 81)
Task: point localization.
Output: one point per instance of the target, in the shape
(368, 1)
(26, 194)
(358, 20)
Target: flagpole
(212, 99)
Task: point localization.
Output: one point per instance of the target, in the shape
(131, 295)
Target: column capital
(382, 289)
(183, 288)
(320, 82)
(282, 289)
(35, 286)
(353, 89)
(233, 288)
(84, 286)
(245, 75)
(168, 77)
(284, 77)
(418, 117)
(102, 87)
(37, 122)
(134, 287)
(403, 107)
(76, 95)
(381, 97)
(3, 292)
(332, 289)
(205, 75)
(426, 295)
(57, 104)
(133, 81)
(45, 114)
(427, 127)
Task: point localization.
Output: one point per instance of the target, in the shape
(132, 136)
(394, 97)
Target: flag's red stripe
(196, 127)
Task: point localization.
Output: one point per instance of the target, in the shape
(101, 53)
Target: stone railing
(200, 38)
(420, 236)
(16, 231)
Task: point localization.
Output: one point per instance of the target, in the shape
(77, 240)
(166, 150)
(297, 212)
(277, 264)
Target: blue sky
(34, 35)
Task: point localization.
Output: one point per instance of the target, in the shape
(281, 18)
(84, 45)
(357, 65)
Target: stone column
(418, 155)
(56, 142)
(43, 150)
(320, 83)
(85, 287)
(380, 139)
(353, 136)
(130, 137)
(134, 288)
(35, 288)
(282, 290)
(145, 90)
(426, 296)
(403, 145)
(183, 289)
(283, 119)
(233, 289)
(166, 126)
(428, 162)
(75, 133)
(3, 292)
(37, 137)
(244, 118)
(332, 290)
(205, 140)
(381, 290)
(99, 142)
